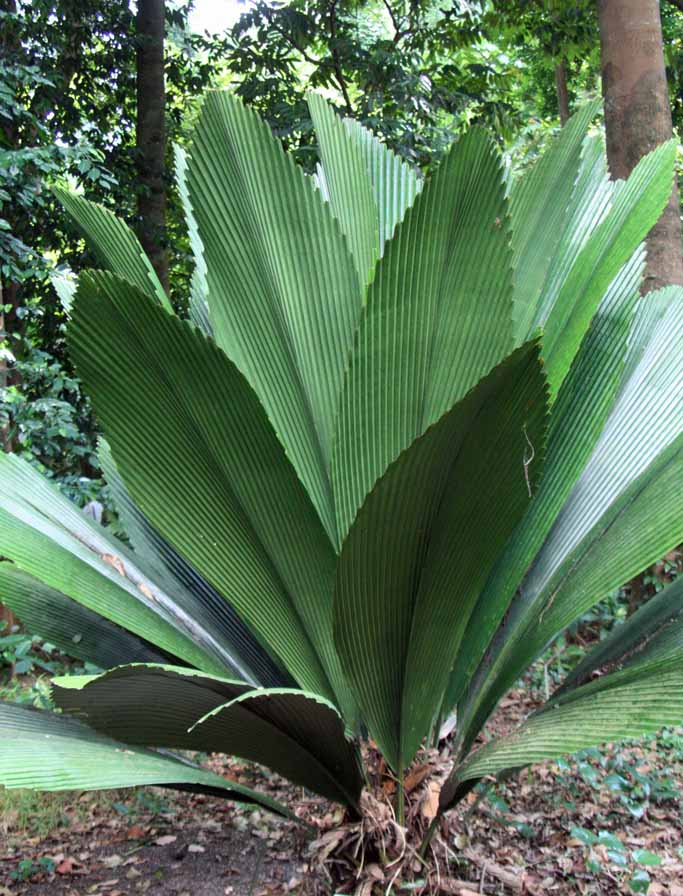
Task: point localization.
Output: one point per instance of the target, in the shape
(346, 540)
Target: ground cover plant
(413, 430)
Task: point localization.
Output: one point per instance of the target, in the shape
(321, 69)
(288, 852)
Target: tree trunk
(562, 92)
(9, 46)
(151, 134)
(6, 615)
(638, 116)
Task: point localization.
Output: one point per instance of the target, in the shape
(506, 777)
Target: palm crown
(414, 430)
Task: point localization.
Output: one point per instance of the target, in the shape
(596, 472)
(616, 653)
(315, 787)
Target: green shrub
(415, 430)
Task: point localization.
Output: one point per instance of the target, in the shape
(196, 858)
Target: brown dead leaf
(66, 866)
(136, 832)
(430, 803)
(416, 776)
(374, 872)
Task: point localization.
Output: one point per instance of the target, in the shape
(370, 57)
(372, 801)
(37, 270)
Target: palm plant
(413, 430)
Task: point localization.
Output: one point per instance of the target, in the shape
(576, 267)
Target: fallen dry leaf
(416, 776)
(430, 803)
(66, 866)
(165, 840)
(136, 832)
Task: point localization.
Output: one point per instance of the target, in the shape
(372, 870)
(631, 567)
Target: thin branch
(335, 57)
(290, 40)
(398, 32)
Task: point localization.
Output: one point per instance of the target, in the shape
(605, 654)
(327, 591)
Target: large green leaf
(620, 516)
(73, 628)
(283, 290)
(576, 423)
(200, 458)
(145, 704)
(114, 243)
(297, 734)
(660, 614)
(243, 655)
(437, 319)
(349, 186)
(641, 706)
(407, 580)
(199, 289)
(65, 284)
(539, 211)
(45, 751)
(591, 200)
(50, 539)
(636, 207)
(395, 183)
(640, 526)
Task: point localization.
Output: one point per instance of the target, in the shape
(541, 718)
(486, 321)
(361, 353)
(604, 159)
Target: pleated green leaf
(48, 752)
(395, 183)
(622, 514)
(639, 707)
(199, 289)
(65, 284)
(348, 184)
(636, 207)
(640, 437)
(73, 628)
(660, 614)
(643, 525)
(50, 539)
(221, 628)
(539, 211)
(296, 734)
(147, 705)
(200, 458)
(114, 243)
(283, 290)
(591, 200)
(578, 418)
(407, 580)
(437, 319)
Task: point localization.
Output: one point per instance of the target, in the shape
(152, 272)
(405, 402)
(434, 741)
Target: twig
(335, 57)
(516, 882)
(528, 459)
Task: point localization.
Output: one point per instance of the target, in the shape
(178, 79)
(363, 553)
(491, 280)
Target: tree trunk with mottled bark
(151, 134)
(638, 116)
